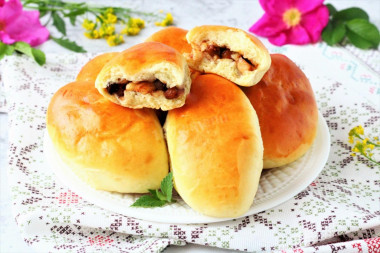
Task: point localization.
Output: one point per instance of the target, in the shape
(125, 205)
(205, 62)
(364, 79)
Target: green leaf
(71, 45)
(26, 49)
(351, 13)
(331, 8)
(363, 34)
(148, 201)
(2, 49)
(75, 13)
(167, 186)
(39, 56)
(334, 33)
(73, 19)
(59, 23)
(9, 50)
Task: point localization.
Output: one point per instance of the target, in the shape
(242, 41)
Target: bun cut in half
(215, 148)
(150, 74)
(287, 111)
(108, 146)
(229, 52)
(91, 69)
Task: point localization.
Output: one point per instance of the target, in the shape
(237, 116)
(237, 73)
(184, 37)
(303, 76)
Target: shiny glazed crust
(215, 147)
(287, 111)
(237, 41)
(146, 62)
(172, 36)
(91, 69)
(108, 146)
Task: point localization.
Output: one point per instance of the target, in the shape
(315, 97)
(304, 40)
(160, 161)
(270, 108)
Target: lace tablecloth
(339, 211)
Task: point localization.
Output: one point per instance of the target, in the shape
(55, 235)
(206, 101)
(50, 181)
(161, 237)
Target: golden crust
(146, 62)
(215, 148)
(287, 111)
(237, 40)
(108, 146)
(91, 69)
(172, 36)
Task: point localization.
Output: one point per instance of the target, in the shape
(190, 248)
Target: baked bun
(287, 111)
(91, 69)
(173, 37)
(215, 148)
(149, 74)
(108, 146)
(229, 52)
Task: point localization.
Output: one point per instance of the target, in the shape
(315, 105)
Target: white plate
(276, 185)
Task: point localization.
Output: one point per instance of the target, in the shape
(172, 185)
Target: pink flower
(292, 21)
(18, 25)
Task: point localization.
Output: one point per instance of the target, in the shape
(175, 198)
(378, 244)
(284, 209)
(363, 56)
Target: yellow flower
(351, 139)
(376, 138)
(88, 25)
(365, 141)
(371, 146)
(92, 34)
(115, 40)
(131, 31)
(106, 30)
(353, 154)
(359, 130)
(111, 18)
(167, 21)
(355, 149)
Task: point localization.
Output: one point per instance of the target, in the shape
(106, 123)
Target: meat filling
(213, 52)
(152, 88)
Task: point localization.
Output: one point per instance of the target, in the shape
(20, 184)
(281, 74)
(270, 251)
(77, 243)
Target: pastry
(215, 148)
(229, 52)
(150, 74)
(108, 146)
(287, 111)
(91, 69)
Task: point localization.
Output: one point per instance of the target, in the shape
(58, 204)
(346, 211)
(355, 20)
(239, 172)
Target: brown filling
(144, 87)
(214, 52)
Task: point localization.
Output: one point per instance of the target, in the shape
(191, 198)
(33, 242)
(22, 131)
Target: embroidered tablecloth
(339, 211)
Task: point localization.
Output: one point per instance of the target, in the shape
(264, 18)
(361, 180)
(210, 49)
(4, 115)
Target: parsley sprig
(158, 197)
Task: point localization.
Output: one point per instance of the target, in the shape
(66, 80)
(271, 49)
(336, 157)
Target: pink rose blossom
(292, 21)
(19, 25)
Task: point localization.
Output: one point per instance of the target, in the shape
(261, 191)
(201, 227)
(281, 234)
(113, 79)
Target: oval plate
(276, 185)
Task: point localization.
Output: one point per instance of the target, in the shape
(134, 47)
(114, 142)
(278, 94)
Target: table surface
(238, 13)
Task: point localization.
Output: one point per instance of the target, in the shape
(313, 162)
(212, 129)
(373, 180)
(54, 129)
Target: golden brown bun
(147, 61)
(108, 146)
(287, 111)
(215, 148)
(238, 41)
(91, 69)
(172, 36)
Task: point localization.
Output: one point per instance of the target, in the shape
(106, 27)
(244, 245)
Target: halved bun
(108, 146)
(91, 69)
(287, 111)
(149, 74)
(229, 52)
(215, 148)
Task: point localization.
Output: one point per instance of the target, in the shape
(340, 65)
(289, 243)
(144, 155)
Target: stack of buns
(228, 110)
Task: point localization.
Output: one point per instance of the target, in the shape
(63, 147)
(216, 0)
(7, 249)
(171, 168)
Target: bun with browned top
(108, 146)
(150, 74)
(287, 111)
(215, 148)
(229, 52)
(91, 69)
(172, 36)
